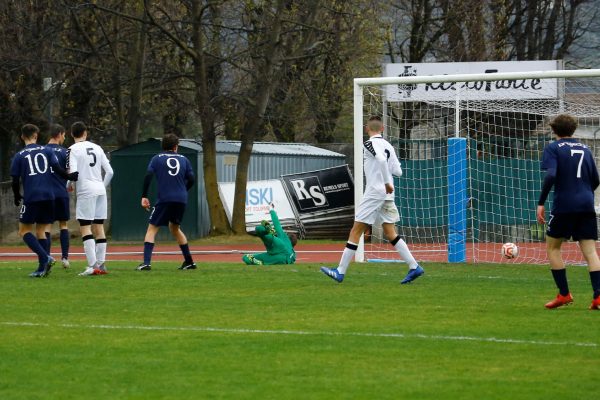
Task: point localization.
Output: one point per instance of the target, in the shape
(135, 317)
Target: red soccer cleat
(559, 301)
(595, 304)
(98, 271)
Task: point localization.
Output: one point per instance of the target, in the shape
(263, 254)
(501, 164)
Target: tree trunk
(135, 99)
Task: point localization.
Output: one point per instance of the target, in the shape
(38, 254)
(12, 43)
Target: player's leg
(249, 259)
(178, 234)
(26, 234)
(338, 273)
(62, 215)
(176, 212)
(100, 237)
(44, 218)
(559, 272)
(42, 232)
(84, 212)
(29, 215)
(414, 269)
(47, 239)
(587, 236)
(100, 215)
(149, 238)
(254, 259)
(588, 248)
(273, 259)
(64, 243)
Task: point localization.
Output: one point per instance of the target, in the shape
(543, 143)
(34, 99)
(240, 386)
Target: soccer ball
(510, 250)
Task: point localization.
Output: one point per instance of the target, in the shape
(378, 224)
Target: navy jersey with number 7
(172, 172)
(576, 176)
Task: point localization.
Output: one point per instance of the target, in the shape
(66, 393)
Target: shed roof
(233, 147)
(275, 148)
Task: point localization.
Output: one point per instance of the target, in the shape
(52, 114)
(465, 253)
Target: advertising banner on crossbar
(532, 88)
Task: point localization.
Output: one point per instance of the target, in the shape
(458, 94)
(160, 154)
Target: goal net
(471, 148)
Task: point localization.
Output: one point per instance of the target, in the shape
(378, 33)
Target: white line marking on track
(303, 333)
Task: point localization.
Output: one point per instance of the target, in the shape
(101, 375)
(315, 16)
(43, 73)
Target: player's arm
(263, 233)
(276, 223)
(16, 189)
(59, 170)
(549, 180)
(394, 165)
(71, 161)
(189, 177)
(145, 187)
(595, 178)
(108, 171)
(547, 184)
(381, 161)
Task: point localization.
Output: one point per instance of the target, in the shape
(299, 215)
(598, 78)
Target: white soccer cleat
(65, 263)
(88, 272)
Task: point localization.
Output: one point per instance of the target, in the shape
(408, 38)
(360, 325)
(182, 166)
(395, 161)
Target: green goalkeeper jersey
(276, 240)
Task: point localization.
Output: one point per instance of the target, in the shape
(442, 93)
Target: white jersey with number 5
(89, 160)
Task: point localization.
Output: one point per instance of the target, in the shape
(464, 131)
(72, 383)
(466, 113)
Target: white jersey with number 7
(89, 160)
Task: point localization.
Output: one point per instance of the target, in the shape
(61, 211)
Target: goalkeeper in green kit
(279, 245)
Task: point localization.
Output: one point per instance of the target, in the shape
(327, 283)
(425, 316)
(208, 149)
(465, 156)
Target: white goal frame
(359, 122)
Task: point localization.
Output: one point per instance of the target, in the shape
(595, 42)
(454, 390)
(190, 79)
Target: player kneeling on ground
(279, 245)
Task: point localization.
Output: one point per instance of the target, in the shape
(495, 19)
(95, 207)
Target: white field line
(178, 252)
(303, 333)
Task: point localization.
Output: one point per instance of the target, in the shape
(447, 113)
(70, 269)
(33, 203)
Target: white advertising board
(259, 195)
(519, 89)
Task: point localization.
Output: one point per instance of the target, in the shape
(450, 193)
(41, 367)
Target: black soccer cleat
(143, 267)
(185, 265)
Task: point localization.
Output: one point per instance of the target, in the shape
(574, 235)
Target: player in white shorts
(91, 209)
(377, 205)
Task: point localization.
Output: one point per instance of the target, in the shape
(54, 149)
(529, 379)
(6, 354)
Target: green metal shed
(128, 219)
(269, 161)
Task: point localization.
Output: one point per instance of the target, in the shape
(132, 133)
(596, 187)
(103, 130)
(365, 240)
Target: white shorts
(377, 210)
(91, 208)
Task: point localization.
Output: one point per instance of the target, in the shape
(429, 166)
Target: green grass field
(234, 332)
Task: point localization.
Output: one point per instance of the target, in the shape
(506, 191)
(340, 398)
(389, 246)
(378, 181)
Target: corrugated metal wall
(268, 161)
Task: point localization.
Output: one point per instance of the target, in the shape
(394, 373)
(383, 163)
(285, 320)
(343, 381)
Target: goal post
(470, 146)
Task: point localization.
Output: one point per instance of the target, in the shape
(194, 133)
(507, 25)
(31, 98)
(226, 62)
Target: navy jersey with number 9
(576, 175)
(172, 171)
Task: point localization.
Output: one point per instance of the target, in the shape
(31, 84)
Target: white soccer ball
(509, 250)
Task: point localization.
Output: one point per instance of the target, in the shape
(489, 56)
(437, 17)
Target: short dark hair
(374, 123)
(28, 130)
(77, 129)
(564, 125)
(56, 130)
(293, 238)
(169, 141)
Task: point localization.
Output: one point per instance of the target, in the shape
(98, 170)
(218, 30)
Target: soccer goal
(470, 147)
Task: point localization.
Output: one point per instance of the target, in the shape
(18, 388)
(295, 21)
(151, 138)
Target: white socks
(405, 254)
(89, 246)
(347, 257)
(101, 251)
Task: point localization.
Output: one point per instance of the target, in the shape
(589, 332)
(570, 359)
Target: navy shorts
(61, 209)
(163, 213)
(37, 212)
(579, 226)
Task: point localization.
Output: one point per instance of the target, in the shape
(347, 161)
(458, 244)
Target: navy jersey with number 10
(172, 171)
(32, 165)
(576, 175)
